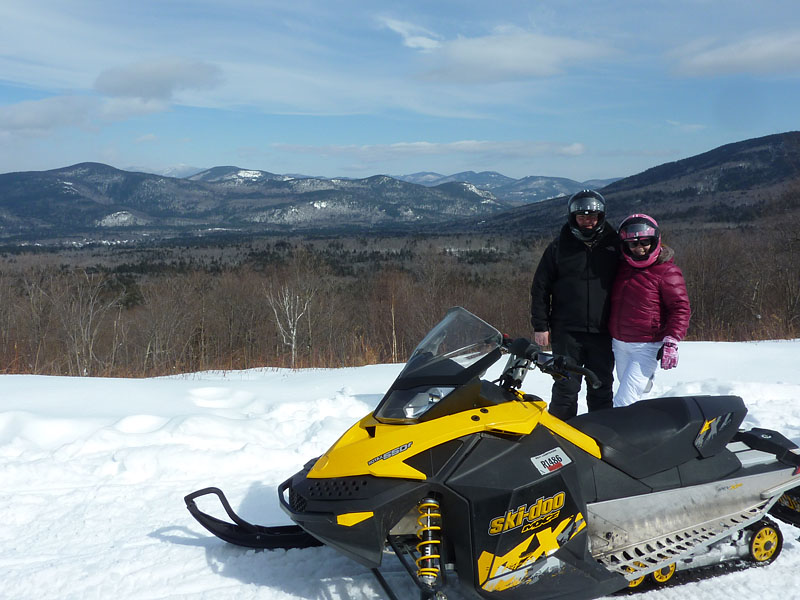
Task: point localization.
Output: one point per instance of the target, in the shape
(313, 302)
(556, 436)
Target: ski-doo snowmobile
(472, 483)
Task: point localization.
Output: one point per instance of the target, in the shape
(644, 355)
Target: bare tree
(8, 347)
(238, 319)
(289, 306)
(163, 325)
(36, 311)
(81, 304)
(290, 295)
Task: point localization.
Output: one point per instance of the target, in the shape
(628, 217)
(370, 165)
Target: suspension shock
(429, 532)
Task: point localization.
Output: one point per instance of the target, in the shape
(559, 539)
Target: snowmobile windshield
(458, 349)
(459, 341)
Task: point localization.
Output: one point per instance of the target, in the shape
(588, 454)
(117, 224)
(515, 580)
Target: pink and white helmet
(636, 227)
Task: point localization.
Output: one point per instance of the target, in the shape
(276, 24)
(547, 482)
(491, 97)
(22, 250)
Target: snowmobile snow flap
(242, 533)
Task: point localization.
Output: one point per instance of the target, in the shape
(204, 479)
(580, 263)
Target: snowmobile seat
(654, 435)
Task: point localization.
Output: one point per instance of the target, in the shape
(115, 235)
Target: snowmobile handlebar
(559, 367)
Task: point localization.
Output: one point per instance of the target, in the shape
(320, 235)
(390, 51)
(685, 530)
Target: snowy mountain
(172, 171)
(516, 192)
(80, 199)
(753, 181)
(91, 199)
(423, 178)
(485, 179)
(236, 176)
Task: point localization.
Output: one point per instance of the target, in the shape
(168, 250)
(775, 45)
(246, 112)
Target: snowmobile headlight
(406, 406)
(422, 401)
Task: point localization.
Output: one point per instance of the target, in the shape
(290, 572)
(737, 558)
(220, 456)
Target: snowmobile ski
(242, 533)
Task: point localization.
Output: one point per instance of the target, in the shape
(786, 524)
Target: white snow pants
(636, 365)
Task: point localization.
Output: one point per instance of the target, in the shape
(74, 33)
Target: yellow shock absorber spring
(429, 532)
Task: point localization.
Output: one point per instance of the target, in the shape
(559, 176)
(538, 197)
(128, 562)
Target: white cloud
(755, 55)
(401, 150)
(507, 54)
(140, 89)
(42, 117)
(119, 109)
(148, 137)
(158, 79)
(39, 117)
(512, 54)
(575, 149)
(686, 127)
(413, 36)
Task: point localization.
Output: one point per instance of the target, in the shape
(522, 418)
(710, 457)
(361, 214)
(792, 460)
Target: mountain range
(91, 199)
(755, 181)
(514, 192)
(532, 188)
(95, 201)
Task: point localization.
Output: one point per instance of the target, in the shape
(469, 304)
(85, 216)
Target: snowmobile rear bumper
(242, 533)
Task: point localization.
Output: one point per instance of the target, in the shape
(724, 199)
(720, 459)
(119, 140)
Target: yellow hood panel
(382, 455)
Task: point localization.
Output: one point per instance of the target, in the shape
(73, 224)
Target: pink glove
(668, 353)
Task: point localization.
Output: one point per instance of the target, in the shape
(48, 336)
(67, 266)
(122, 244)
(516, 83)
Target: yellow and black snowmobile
(473, 484)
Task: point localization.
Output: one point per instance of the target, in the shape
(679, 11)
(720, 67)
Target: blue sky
(564, 88)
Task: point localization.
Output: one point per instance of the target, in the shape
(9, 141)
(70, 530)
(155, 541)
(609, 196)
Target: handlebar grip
(591, 378)
(568, 364)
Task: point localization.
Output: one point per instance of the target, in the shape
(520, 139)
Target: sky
(94, 473)
(558, 88)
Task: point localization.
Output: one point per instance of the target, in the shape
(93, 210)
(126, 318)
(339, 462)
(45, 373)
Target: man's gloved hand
(668, 353)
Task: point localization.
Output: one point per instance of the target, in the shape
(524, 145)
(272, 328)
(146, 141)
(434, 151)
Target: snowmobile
(473, 485)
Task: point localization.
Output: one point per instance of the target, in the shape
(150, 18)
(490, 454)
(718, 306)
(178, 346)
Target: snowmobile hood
(374, 448)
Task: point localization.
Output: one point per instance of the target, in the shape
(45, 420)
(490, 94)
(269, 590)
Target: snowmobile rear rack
(242, 533)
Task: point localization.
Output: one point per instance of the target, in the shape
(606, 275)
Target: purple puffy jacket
(648, 304)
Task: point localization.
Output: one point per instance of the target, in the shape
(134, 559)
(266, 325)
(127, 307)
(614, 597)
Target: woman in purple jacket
(649, 309)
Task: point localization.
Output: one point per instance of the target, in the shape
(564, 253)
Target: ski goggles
(644, 242)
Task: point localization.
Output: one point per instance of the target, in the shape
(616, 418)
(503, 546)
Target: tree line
(338, 305)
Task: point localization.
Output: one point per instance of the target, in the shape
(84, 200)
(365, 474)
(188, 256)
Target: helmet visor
(634, 231)
(586, 205)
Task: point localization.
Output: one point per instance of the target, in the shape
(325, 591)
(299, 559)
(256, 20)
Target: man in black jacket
(569, 301)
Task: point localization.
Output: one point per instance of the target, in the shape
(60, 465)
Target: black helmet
(583, 203)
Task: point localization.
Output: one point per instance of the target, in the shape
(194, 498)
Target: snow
(120, 219)
(94, 472)
(248, 174)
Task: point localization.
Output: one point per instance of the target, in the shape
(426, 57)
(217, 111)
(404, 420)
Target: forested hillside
(331, 302)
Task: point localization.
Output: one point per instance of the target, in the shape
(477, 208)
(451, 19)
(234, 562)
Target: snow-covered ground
(93, 474)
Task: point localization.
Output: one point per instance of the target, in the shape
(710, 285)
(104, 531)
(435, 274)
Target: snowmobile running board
(242, 533)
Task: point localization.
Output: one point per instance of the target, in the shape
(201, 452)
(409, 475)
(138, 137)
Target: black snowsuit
(570, 298)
